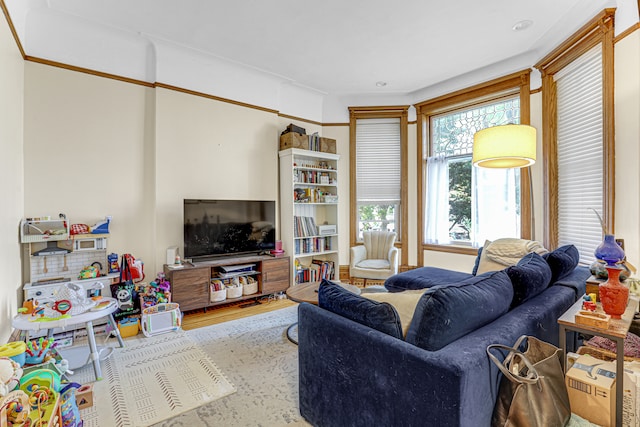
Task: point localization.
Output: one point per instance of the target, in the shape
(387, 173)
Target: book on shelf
(316, 271)
(304, 226)
(312, 245)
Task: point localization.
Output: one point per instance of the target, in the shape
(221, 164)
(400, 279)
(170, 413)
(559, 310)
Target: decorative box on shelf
(330, 198)
(307, 142)
(327, 229)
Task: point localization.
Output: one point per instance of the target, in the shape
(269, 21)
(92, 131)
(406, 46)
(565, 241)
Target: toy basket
(217, 291)
(161, 318)
(234, 292)
(234, 288)
(249, 285)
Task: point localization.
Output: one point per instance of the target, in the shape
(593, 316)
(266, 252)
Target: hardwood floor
(199, 318)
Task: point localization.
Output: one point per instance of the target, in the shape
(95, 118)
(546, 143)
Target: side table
(617, 331)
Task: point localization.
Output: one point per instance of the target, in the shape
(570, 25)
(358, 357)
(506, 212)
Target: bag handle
(532, 376)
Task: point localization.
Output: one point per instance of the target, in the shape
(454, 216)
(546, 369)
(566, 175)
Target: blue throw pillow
(529, 277)
(377, 315)
(562, 261)
(446, 313)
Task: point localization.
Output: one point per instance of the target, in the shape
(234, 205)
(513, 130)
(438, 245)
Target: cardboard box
(327, 145)
(294, 140)
(631, 396)
(591, 384)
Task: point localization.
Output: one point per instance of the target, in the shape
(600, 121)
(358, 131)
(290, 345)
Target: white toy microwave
(90, 244)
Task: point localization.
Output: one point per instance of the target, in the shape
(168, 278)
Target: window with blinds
(579, 88)
(378, 179)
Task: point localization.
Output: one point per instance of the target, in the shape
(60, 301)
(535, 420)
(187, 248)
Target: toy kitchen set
(55, 253)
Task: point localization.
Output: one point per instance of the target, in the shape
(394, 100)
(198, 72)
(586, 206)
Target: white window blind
(580, 153)
(378, 160)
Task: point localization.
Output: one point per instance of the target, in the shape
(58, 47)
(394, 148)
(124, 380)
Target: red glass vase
(613, 294)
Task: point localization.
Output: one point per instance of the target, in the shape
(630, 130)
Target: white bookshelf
(308, 190)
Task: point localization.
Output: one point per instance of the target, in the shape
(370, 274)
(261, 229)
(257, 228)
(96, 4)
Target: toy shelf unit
(34, 230)
(309, 212)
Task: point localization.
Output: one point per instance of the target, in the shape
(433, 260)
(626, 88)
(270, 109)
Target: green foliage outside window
(376, 217)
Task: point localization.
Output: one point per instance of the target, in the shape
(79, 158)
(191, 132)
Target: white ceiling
(332, 47)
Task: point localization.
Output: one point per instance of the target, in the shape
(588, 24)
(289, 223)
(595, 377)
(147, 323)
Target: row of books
(311, 177)
(315, 272)
(312, 244)
(304, 226)
(314, 142)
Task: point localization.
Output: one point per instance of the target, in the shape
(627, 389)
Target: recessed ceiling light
(381, 84)
(522, 25)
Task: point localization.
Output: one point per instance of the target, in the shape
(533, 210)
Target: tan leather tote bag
(532, 390)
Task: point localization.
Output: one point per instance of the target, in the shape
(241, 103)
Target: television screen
(224, 227)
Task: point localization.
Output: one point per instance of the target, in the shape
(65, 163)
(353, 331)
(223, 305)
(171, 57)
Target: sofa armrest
(353, 375)
(358, 254)
(393, 259)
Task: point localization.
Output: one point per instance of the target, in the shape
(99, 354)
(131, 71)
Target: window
(577, 84)
(378, 174)
(378, 158)
(479, 204)
(463, 205)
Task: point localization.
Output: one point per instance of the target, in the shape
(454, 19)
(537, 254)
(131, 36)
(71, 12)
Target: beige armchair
(376, 259)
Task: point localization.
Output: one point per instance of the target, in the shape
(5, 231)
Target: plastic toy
(37, 350)
(10, 373)
(157, 292)
(14, 350)
(89, 272)
(17, 407)
(101, 227)
(113, 263)
(28, 306)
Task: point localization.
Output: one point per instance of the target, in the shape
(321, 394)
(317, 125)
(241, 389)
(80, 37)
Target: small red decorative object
(613, 294)
(589, 305)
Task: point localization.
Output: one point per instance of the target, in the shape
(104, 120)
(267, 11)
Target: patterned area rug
(257, 357)
(150, 380)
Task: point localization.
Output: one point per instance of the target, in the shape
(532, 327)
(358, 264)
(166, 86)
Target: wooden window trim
(376, 112)
(600, 30)
(516, 83)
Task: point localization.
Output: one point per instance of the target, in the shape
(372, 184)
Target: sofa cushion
(377, 315)
(404, 303)
(446, 313)
(562, 261)
(529, 277)
(502, 253)
(376, 264)
(423, 277)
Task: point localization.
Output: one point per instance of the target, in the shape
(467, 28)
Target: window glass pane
(460, 199)
(377, 216)
(452, 137)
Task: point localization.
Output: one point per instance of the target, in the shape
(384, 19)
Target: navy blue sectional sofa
(357, 369)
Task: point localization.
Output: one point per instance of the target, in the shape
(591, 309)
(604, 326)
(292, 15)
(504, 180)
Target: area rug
(151, 380)
(261, 362)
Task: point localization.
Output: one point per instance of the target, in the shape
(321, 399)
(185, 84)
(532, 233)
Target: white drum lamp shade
(506, 146)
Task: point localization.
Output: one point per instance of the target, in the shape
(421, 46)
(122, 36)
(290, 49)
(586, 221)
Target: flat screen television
(228, 227)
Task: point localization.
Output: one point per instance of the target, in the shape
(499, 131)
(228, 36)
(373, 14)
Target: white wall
(209, 149)
(87, 154)
(11, 173)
